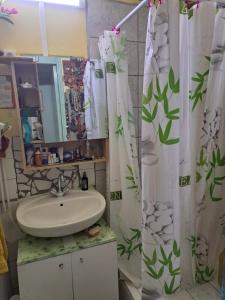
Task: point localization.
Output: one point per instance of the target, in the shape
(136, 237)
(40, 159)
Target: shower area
(166, 173)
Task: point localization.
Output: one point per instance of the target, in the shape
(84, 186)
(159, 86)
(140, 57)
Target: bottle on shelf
(38, 158)
(84, 182)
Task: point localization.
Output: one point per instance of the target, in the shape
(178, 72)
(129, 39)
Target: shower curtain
(183, 146)
(124, 182)
(95, 99)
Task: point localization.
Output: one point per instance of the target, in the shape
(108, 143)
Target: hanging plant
(6, 13)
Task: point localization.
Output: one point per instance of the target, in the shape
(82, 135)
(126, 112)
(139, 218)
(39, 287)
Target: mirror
(73, 97)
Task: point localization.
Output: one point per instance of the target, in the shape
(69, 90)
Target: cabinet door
(52, 96)
(49, 279)
(95, 273)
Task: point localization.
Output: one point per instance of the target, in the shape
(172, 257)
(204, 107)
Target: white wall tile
(9, 168)
(87, 166)
(141, 55)
(142, 24)
(101, 182)
(93, 51)
(140, 89)
(103, 15)
(13, 189)
(132, 49)
(100, 166)
(133, 84)
(16, 143)
(9, 152)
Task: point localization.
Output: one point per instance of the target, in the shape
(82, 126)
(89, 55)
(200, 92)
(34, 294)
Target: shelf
(33, 88)
(64, 165)
(38, 142)
(30, 108)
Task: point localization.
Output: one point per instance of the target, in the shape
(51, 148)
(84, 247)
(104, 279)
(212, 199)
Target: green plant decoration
(187, 9)
(159, 96)
(130, 118)
(131, 245)
(119, 126)
(87, 104)
(193, 241)
(200, 79)
(6, 13)
(158, 263)
(207, 168)
(203, 273)
(215, 181)
(131, 179)
(120, 53)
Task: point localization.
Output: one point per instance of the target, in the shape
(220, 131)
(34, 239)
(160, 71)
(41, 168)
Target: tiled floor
(209, 291)
(205, 292)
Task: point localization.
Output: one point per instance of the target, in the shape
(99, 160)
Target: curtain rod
(144, 2)
(133, 12)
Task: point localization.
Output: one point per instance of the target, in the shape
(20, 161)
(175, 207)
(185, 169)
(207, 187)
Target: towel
(3, 252)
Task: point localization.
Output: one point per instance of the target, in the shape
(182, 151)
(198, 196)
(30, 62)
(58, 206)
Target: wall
(66, 30)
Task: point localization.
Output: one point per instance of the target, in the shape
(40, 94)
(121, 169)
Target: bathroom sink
(48, 216)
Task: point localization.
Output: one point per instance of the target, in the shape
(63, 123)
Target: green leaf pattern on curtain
(202, 111)
(131, 244)
(203, 272)
(156, 95)
(161, 263)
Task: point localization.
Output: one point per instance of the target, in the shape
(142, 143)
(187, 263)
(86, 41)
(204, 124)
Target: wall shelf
(64, 165)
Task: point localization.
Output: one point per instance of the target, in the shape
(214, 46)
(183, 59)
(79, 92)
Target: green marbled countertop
(33, 249)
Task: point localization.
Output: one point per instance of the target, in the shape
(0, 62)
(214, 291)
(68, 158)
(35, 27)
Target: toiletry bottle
(29, 154)
(60, 153)
(38, 158)
(84, 182)
(44, 157)
(27, 130)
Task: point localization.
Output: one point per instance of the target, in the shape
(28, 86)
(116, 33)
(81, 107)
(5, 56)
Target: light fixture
(76, 3)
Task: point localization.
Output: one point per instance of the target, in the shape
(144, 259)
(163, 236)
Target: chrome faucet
(60, 191)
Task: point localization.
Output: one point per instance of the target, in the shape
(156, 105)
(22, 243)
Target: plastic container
(4, 286)
(15, 297)
(223, 283)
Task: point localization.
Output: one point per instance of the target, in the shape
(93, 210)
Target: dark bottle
(84, 182)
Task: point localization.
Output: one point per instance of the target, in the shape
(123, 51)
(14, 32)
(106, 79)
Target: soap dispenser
(84, 182)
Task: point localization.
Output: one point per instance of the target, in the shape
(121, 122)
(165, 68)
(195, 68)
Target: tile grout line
(215, 288)
(189, 293)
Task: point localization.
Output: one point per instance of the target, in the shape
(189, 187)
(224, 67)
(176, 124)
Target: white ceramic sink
(49, 216)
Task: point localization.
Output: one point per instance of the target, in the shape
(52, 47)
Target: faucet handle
(61, 176)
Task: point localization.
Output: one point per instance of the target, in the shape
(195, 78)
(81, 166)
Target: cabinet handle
(61, 266)
(81, 260)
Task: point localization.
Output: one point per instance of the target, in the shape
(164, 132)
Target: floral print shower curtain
(124, 182)
(183, 146)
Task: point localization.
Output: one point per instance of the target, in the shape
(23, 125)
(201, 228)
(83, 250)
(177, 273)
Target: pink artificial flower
(9, 11)
(13, 11)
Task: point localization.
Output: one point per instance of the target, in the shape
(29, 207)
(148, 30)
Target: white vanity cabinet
(87, 274)
(46, 279)
(95, 273)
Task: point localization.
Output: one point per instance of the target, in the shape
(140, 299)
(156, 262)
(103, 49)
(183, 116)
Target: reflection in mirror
(85, 99)
(73, 70)
(73, 108)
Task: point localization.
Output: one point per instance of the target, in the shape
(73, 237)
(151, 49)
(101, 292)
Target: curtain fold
(124, 185)
(183, 146)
